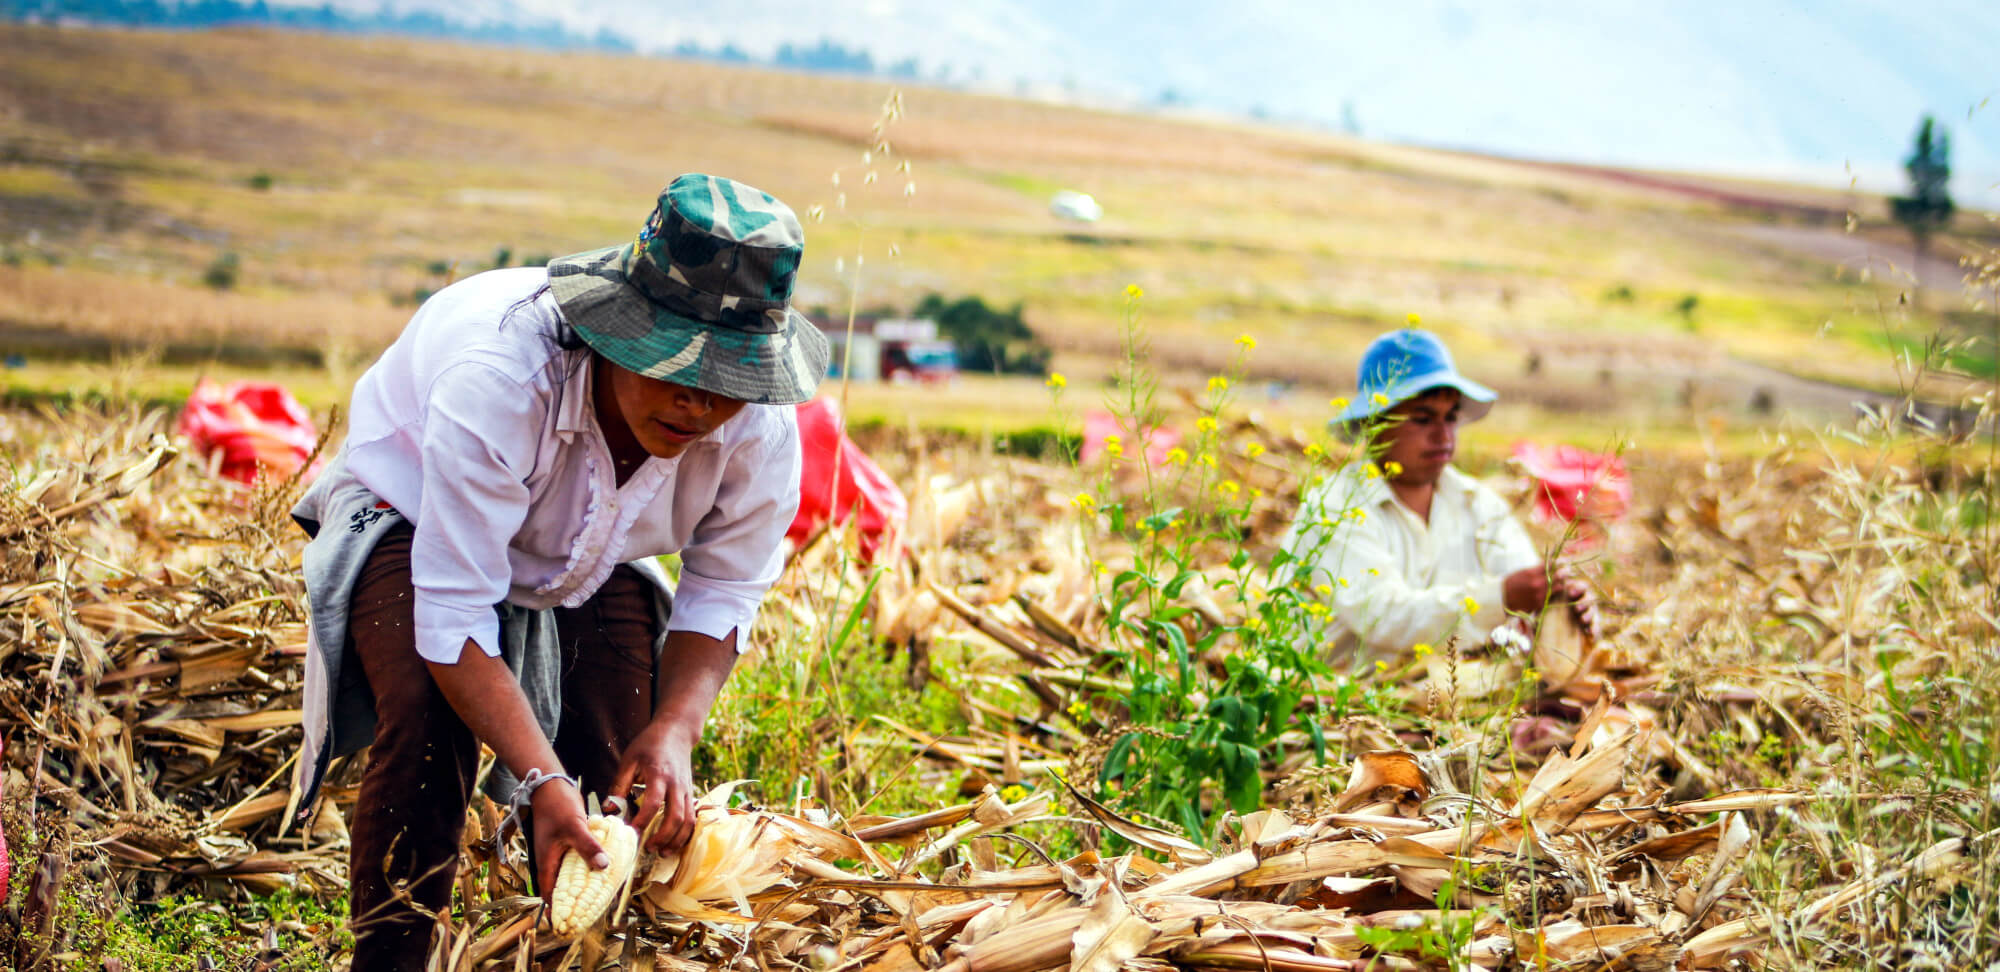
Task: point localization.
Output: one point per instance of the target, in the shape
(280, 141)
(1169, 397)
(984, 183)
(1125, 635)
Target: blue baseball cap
(1404, 364)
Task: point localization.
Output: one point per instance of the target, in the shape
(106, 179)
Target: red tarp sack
(246, 425)
(862, 488)
(1575, 485)
(1100, 425)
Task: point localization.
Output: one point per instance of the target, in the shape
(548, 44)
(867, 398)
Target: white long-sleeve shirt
(479, 428)
(1397, 581)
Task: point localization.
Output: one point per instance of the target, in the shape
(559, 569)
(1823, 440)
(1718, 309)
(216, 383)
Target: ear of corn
(582, 895)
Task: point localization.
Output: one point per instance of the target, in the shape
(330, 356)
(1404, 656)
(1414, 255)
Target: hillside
(335, 179)
(1824, 91)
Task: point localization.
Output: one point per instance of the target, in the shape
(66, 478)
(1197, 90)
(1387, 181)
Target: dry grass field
(1079, 716)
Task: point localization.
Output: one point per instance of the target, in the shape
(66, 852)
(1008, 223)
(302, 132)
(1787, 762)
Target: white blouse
(1394, 580)
(479, 428)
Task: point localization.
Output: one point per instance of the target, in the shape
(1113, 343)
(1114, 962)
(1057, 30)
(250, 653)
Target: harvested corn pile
(150, 637)
(1748, 759)
(1577, 870)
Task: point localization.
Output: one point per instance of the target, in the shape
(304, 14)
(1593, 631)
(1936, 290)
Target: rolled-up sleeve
(737, 550)
(480, 436)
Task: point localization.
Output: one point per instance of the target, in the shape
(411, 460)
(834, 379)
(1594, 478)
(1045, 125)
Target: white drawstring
(524, 794)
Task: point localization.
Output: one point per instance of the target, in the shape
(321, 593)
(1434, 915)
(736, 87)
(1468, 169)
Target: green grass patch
(1039, 188)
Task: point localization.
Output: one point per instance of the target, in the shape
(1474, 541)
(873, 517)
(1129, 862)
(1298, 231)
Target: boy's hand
(1526, 591)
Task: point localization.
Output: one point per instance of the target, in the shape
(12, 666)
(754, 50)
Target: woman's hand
(659, 759)
(484, 693)
(659, 756)
(559, 828)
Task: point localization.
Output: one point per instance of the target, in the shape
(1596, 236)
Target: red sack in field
(1575, 484)
(1100, 426)
(246, 425)
(837, 480)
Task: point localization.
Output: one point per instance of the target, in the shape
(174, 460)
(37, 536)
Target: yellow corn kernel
(581, 895)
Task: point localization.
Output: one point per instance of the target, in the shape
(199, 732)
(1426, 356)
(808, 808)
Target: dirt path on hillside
(1572, 372)
(1895, 264)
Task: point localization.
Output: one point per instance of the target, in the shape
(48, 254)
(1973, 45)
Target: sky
(1822, 92)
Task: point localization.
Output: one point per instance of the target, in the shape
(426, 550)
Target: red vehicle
(903, 350)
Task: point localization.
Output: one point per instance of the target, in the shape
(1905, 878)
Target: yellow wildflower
(1316, 609)
(1323, 590)
(1374, 571)
(1415, 319)
(1247, 342)
(1013, 793)
(1381, 666)
(1342, 581)
(1530, 674)
(1314, 451)
(1218, 384)
(1057, 381)
(1205, 423)
(1098, 566)
(1420, 650)
(1339, 404)
(1228, 487)
(1471, 606)
(1357, 514)
(1379, 399)
(1078, 708)
(1084, 502)
(1393, 468)
(1176, 456)
(1133, 291)
(1373, 471)
(1254, 449)
(1206, 459)
(1256, 493)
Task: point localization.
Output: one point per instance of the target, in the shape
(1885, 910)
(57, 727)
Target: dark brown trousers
(411, 812)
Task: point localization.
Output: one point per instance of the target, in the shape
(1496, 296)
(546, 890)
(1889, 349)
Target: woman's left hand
(659, 759)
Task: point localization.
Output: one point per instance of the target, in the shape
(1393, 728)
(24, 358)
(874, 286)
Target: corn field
(1778, 753)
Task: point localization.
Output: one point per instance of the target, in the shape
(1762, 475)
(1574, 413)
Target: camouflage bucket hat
(703, 297)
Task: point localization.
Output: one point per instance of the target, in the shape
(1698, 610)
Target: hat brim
(1475, 399)
(782, 367)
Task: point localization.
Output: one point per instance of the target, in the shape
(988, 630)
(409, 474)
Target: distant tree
(1928, 207)
(986, 338)
(1685, 307)
(221, 274)
(828, 56)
